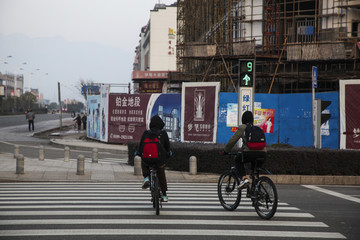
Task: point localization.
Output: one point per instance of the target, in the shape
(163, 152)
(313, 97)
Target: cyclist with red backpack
(254, 145)
(154, 149)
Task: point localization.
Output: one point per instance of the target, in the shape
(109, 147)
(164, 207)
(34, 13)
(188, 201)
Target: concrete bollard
(192, 165)
(67, 154)
(95, 155)
(41, 153)
(80, 165)
(16, 151)
(19, 164)
(137, 165)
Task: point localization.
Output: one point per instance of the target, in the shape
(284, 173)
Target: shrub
(280, 159)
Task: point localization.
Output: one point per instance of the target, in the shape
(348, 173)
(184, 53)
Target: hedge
(280, 159)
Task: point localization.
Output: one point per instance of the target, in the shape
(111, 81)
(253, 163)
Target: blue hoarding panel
(264, 101)
(223, 132)
(296, 119)
(292, 118)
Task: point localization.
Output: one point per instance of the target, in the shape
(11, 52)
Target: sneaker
(146, 183)
(243, 184)
(164, 198)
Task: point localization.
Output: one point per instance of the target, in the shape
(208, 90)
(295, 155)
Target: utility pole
(60, 105)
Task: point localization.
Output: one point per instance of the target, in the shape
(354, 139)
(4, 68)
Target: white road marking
(333, 193)
(171, 232)
(163, 222)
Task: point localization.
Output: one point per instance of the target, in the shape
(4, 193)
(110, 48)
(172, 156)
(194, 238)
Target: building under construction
(285, 37)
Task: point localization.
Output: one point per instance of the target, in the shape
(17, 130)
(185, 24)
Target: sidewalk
(55, 170)
(47, 170)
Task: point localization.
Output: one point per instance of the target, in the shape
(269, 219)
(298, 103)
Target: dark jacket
(156, 128)
(247, 118)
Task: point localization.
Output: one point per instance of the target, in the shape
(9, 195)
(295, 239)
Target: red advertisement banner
(352, 111)
(127, 117)
(264, 118)
(199, 113)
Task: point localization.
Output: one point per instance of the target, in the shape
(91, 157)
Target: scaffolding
(285, 37)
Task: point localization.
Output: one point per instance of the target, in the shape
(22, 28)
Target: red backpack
(153, 151)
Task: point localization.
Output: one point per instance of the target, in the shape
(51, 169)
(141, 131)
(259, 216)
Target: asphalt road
(20, 120)
(14, 130)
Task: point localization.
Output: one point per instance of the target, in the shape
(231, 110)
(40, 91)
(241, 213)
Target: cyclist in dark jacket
(249, 155)
(156, 128)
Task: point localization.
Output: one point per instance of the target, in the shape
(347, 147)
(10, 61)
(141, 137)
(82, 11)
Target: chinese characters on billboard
(127, 117)
(151, 87)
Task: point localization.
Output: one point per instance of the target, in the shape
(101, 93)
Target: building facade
(156, 52)
(285, 38)
(7, 85)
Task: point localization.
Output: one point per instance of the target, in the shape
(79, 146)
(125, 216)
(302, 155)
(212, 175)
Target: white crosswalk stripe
(63, 210)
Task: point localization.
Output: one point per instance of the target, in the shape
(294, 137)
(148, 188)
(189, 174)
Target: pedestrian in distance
(78, 121)
(84, 119)
(30, 117)
(156, 132)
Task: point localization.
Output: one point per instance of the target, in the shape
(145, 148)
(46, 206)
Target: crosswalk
(124, 211)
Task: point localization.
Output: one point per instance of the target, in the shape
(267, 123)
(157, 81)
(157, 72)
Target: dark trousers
(160, 173)
(31, 124)
(249, 157)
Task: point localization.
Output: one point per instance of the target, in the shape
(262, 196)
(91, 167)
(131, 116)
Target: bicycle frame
(155, 190)
(262, 190)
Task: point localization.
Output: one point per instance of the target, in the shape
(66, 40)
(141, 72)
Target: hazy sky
(69, 40)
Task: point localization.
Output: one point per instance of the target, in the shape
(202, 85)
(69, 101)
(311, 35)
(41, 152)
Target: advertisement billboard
(199, 112)
(93, 117)
(264, 118)
(104, 111)
(127, 117)
(167, 106)
(349, 114)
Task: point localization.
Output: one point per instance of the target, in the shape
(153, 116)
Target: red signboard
(138, 75)
(151, 87)
(199, 105)
(127, 117)
(352, 111)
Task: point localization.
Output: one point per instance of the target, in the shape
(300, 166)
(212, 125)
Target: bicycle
(155, 190)
(261, 190)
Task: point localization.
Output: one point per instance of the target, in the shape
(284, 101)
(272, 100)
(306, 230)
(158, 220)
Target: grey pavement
(36, 170)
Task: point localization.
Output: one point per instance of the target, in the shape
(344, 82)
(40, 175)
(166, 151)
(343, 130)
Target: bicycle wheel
(156, 196)
(266, 198)
(228, 194)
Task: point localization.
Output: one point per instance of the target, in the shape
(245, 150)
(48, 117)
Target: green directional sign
(246, 72)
